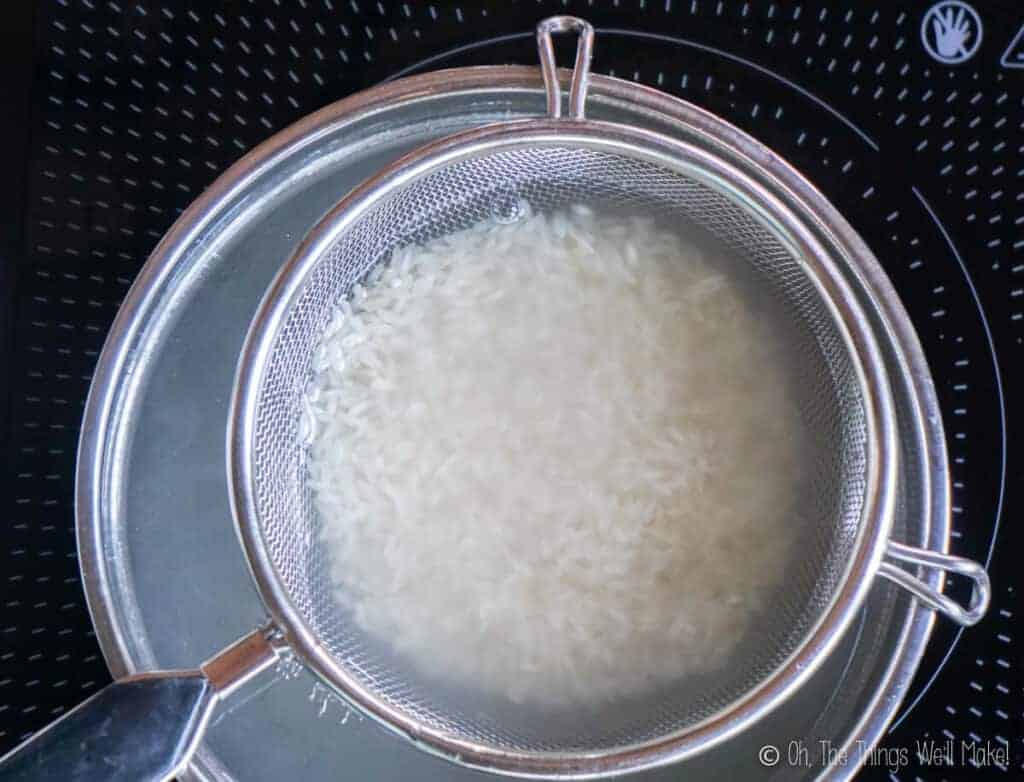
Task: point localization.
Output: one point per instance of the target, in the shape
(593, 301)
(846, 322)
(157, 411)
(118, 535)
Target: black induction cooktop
(909, 116)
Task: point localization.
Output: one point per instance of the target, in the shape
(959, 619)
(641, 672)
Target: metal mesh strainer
(442, 196)
(840, 385)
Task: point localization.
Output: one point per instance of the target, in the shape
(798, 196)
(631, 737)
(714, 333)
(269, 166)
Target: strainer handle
(581, 70)
(138, 729)
(981, 587)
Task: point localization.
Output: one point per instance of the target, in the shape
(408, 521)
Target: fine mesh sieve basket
(841, 388)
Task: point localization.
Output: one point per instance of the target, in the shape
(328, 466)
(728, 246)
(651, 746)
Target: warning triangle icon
(1013, 57)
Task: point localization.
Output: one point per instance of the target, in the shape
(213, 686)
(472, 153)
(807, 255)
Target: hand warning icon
(951, 31)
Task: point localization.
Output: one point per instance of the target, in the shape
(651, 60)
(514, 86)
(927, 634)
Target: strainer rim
(876, 517)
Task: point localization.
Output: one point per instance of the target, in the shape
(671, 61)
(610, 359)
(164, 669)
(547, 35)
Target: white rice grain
(554, 459)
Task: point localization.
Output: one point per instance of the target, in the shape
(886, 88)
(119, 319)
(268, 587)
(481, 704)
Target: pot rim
(103, 411)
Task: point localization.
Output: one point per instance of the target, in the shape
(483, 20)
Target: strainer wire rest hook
(981, 588)
(581, 70)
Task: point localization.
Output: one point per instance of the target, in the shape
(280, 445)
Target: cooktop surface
(908, 116)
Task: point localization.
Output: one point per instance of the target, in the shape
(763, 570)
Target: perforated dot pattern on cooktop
(137, 106)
